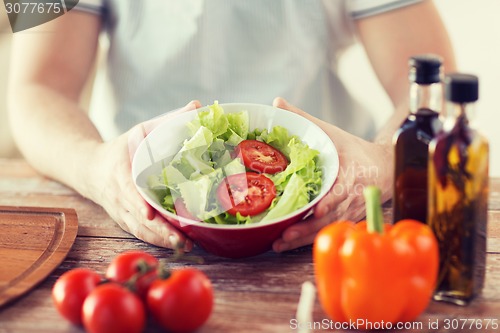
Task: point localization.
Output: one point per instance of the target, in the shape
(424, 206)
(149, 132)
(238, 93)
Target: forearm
(54, 134)
(395, 30)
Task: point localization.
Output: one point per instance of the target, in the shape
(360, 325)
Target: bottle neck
(465, 112)
(426, 96)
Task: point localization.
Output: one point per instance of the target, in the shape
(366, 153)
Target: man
(165, 53)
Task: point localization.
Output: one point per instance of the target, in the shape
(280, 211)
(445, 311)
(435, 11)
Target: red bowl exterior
(235, 242)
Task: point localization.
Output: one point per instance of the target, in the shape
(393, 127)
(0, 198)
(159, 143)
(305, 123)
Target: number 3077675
(34, 7)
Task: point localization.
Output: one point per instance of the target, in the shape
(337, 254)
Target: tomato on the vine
(247, 193)
(261, 157)
(71, 289)
(180, 303)
(183, 301)
(129, 264)
(112, 308)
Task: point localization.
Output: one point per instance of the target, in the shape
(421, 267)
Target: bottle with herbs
(458, 194)
(411, 140)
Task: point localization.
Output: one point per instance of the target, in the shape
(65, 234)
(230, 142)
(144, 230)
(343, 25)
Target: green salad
(220, 152)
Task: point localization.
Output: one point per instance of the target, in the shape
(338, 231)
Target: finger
(170, 237)
(310, 225)
(282, 103)
(127, 195)
(137, 206)
(194, 103)
(303, 232)
(127, 221)
(355, 212)
(157, 231)
(335, 196)
(281, 246)
(151, 124)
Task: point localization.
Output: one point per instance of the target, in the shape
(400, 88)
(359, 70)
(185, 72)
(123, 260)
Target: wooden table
(258, 294)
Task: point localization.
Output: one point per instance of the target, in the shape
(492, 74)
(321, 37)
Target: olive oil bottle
(458, 194)
(411, 140)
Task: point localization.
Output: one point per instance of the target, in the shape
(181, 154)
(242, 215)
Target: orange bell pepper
(372, 273)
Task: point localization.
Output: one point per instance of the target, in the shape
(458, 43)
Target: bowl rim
(307, 209)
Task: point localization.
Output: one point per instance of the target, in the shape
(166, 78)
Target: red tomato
(182, 302)
(261, 157)
(246, 193)
(111, 308)
(127, 264)
(71, 289)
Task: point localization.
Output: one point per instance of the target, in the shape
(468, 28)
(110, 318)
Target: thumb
(280, 102)
(151, 124)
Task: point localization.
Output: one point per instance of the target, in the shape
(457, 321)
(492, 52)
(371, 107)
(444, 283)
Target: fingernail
(291, 235)
(323, 210)
(192, 104)
(188, 246)
(173, 239)
(282, 247)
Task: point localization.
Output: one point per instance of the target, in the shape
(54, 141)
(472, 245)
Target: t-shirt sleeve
(364, 8)
(90, 6)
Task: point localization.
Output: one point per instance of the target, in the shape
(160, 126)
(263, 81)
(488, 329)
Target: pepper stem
(374, 216)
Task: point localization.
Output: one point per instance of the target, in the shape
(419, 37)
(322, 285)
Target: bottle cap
(425, 68)
(461, 88)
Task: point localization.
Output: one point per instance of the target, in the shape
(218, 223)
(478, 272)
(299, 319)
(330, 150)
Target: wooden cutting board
(33, 242)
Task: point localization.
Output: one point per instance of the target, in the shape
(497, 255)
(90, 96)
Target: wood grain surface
(258, 294)
(33, 242)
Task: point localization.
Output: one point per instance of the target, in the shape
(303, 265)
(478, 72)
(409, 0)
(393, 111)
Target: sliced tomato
(261, 157)
(181, 210)
(247, 193)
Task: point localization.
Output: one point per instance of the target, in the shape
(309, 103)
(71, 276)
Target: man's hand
(112, 187)
(362, 163)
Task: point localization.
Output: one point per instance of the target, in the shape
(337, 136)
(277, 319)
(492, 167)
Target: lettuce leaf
(237, 131)
(213, 119)
(300, 156)
(191, 159)
(204, 160)
(295, 196)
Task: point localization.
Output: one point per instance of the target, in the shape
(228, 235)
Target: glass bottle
(458, 194)
(411, 140)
